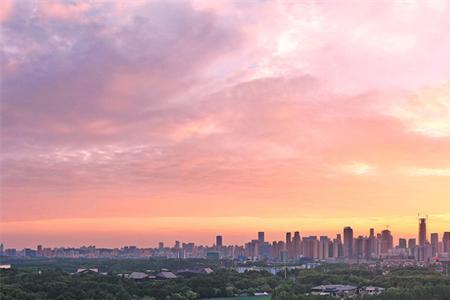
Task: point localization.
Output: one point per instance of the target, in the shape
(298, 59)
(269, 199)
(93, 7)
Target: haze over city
(135, 122)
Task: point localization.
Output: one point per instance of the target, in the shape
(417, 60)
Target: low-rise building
(335, 290)
(87, 271)
(166, 275)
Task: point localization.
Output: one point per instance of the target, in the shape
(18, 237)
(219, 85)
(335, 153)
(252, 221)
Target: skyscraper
(324, 249)
(261, 237)
(422, 232)
(446, 242)
(434, 243)
(402, 243)
(277, 247)
(340, 248)
(359, 247)
(348, 242)
(311, 247)
(296, 244)
(412, 247)
(372, 244)
(288, 238)
(411, 243)
(289, 248)
(219, 242)
(386, 241)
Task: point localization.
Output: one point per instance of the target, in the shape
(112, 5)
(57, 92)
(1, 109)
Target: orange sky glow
(130, 123)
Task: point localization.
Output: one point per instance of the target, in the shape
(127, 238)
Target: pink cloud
(54, 9)
(6, 9)
(159, 109)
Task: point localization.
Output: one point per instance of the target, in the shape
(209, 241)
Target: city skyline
(344, 247)
(129, 122)
(424, 235)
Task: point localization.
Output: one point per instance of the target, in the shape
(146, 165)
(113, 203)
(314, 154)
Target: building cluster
(151, 274)
(339, 290)
(344, 247)
(184, 250)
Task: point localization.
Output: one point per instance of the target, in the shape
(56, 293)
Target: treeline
(111, 265)
(54, 282)
(400, 284)
(50, 284)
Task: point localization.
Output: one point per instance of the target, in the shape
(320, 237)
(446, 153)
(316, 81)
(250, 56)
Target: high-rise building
(446, 242)
(219, 242)
(39, 250)
(386, 241)
(372, 244)
(261, 237)
(11, 252)
(359, 247)
(402, 243)
(348, 242)
(434, 238)
(341, 246)
(311, 247)
(412, 247)
(160, 245)
(422, 231)
(255, 249)
(296, 244)
(276, 250)
(337, 246)
(323, 251)
(289, 247)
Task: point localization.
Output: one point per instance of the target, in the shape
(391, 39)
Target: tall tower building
(386, 241)
(446, 242)
(288, 238)
(219, 242)
(412, 243)
(348, 242)
(434, 243)
(359, 247)
(340, 248)
(289, 247)
(372, 244)
(296, 244)
(324, 247)
(261, 237)
(422, 231)
(412, 247)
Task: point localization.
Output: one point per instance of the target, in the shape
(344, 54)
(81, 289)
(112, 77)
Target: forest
(54, 279)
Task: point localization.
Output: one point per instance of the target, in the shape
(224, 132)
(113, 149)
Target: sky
(133, 122)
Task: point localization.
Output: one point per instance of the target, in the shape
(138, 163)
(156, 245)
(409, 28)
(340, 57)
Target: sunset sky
(133, 122)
